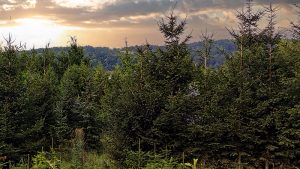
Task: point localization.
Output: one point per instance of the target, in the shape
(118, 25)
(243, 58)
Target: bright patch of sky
(91, 4)
(109, 22)
(34, 31)
(13, 4)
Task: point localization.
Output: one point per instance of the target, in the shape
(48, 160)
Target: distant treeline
(156, 108)
(109, 57)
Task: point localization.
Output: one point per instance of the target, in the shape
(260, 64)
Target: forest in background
(109, 57)
(156, 109)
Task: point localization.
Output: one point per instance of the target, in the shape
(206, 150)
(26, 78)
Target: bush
(162, 164)
(44, 161)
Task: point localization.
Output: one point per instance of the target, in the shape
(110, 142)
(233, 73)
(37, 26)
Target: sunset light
(108, 22)
(149, 84)
(34, 31)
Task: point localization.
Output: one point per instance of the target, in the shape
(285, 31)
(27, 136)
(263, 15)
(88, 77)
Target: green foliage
(193, 165)
(156, 103)
(80, 95)
(44, 161)
(21, 165)
(296, 26)
(78, 151)
(95, 161)
(136, 159)
(162, 164)
(148, 160)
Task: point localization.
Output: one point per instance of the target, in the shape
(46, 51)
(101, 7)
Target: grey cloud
(110, 14)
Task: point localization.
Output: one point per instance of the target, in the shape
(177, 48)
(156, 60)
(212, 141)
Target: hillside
(153, 108)
(108, 57)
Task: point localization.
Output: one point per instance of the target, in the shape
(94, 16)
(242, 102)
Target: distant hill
(219, 50)
(106, 56)
(109, 57)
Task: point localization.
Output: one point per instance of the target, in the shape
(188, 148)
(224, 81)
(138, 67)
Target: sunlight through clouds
(91, 4)
(126, 17)
(13, 4)
(35, 31)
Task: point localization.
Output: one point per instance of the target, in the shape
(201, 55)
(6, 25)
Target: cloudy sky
(110, 22)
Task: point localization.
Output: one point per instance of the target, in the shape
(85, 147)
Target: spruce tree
(173, 76)
(296, 25)
(78, 103)
(247, 35)
(10, 91)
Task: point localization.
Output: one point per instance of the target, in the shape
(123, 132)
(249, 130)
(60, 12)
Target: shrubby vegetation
(156, 109)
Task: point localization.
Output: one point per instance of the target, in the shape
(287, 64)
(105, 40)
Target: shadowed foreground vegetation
(156, 109)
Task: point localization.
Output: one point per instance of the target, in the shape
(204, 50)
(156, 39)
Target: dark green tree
(78, 106)
(139, 92)
(247, 36)
(10, 91)
(73, 56)
(296, 26)
(37, 120)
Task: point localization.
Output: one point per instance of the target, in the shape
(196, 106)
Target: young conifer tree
(175, 67)
(296, 25)
(173, 75)
(247, 36)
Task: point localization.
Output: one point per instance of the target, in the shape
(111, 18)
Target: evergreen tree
(296, 26)
(37, 119)
(137, 97)
(247, 37)
(78, 106)
(10, 91)
(288, 134)
(73, 56)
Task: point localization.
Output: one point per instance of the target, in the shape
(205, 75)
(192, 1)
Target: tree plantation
(157, 109)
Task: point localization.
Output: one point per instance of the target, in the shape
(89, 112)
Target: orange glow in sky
(33, 31)
(110, 22)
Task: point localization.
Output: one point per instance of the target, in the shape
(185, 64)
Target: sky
(110, 22)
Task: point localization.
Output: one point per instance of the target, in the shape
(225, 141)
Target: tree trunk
(270, 63)
(183, 162)
(239, 160)
(203, 162)
(267, 165)
(241, 52)
(139, 160)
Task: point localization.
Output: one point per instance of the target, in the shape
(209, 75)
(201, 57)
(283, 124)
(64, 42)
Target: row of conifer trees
(244, 113)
